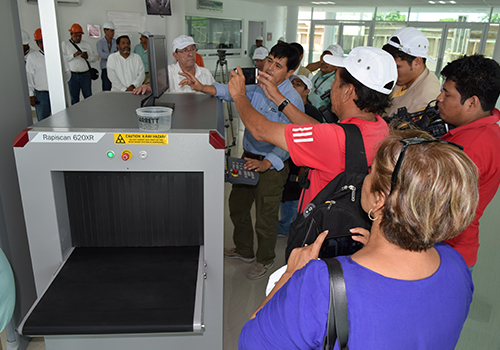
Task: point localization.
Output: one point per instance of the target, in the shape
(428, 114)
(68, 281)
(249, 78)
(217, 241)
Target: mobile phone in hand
(250, 75)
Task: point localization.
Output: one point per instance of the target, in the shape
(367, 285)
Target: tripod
(224, 78)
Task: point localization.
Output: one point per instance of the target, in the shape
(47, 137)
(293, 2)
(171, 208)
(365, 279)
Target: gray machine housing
(80, 139)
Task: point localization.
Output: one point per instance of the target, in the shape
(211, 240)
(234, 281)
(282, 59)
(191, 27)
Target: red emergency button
(126, 155)
(235, 172)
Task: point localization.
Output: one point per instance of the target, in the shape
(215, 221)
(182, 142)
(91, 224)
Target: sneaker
(231, 254)
(258, 270)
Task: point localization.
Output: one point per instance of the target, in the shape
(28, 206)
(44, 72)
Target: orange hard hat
(76, 29)
(38, 35)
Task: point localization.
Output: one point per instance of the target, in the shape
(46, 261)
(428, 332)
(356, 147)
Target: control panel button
(110, 154)
(143, 154)
(126, 155)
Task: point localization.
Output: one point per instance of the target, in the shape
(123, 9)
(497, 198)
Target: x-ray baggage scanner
(125, 226)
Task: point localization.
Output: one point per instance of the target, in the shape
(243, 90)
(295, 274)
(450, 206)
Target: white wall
(94, 12)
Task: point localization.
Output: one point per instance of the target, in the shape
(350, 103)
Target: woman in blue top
(404, 289)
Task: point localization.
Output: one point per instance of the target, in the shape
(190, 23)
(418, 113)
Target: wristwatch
(283, 105)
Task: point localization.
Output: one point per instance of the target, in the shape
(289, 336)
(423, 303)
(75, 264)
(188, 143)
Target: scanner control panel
(236, 173)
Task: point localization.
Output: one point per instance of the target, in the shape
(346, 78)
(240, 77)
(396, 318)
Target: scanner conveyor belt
(119, 290)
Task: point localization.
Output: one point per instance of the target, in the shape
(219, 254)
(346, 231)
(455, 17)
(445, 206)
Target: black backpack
(337, 207)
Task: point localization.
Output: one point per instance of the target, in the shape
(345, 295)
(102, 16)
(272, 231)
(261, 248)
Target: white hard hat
(259, 38)
(26, 37)
(108, 25)
(260, 53)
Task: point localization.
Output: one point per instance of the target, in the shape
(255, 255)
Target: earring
(370, 216)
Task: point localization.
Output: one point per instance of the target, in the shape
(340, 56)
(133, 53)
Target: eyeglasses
(298, 82)
(186, 50)
(409, 142)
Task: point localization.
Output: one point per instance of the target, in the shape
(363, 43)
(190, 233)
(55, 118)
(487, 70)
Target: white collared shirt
(37, 73)
(77, 64)
(202, 74)
(123, 72)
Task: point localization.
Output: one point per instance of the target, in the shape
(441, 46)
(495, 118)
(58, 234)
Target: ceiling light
(442, 2)
(431, 2)
(331, 3)
(315, 3)
(452, 2)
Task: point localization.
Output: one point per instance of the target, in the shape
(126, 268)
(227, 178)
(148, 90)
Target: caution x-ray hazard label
(141, 139)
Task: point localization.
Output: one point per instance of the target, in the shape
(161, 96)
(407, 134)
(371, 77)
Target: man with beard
(125, 69)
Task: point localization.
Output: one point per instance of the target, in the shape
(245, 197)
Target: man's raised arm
(295, 115)
(196, 85)
(257, 124)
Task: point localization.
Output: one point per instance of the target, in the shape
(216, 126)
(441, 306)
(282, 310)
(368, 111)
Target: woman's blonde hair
(436, 192)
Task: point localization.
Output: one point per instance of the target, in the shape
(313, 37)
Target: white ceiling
(459, 6)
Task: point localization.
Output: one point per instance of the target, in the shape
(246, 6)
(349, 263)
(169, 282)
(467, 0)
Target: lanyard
(316, 88)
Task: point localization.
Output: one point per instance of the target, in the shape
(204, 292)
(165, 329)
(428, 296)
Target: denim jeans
(42, 108)
(79, 82)
(106, 84)
(288, 211)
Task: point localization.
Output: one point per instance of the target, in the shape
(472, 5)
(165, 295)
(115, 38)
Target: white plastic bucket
(154, 118)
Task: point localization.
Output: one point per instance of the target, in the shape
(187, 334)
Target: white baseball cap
(182, 42)
(25, 36)
(282, 38)
(145, 33)
(335, 50)
(260, 53)
(304, 79)
(108, 25)
(411, 41)
(371, 66)
(259, 38)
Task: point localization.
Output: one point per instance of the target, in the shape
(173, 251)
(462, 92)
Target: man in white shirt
(37, 78)
(125, 69)
(78, 54)
(184, 51)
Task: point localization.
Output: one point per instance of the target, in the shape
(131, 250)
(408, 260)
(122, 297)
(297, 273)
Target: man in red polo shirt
(468, 99)
(365, 79)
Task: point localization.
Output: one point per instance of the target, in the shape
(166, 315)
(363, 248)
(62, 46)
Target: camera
(250, 75)
(427, 120)
(221, 54)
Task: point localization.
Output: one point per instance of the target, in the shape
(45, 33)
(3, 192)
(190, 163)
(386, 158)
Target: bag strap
(338, 322)
(355, 154)
(78, 49)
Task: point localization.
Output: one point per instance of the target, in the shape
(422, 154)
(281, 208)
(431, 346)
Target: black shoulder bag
(338, 322)
(337, 207)
(94, 73)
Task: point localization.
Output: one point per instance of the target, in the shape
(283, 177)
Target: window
(214, 33)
